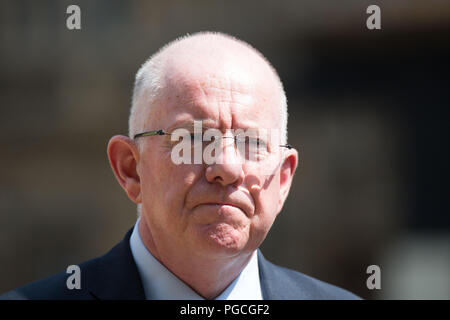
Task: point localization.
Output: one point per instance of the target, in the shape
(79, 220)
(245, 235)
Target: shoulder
(53, 287)
(282, 283)
(111, 276)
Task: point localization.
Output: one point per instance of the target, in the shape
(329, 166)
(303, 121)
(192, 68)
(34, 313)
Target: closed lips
(217, 204)
(244, 208)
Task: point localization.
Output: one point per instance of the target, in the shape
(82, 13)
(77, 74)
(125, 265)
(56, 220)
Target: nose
(228, 168)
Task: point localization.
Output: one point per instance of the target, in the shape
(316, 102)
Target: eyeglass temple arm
(150, 133)
(287, 145)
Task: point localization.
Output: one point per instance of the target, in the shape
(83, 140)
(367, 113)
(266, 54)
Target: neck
(208, 276)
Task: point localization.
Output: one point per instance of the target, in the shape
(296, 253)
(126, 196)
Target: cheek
(165, 185)
(177, 183)
(267, 197)
(266, 202)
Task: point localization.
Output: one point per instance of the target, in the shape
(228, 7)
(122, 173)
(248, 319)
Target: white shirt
(161, 284)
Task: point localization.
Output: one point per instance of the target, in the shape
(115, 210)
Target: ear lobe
(287, 171)
(123, 157)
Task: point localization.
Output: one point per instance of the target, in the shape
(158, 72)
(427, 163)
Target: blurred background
(368, 110)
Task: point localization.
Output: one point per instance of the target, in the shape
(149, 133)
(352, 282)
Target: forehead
(225, 96)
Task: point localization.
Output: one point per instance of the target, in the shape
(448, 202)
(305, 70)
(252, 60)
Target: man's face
(220, 209)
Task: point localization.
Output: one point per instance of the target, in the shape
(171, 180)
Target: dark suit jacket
(114, 276)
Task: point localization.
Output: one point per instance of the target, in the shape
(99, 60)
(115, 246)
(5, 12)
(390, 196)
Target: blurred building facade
(368, 111)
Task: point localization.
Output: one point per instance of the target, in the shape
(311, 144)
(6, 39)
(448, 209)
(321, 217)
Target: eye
(256, 143)
(186, 138)
(196, 137)
(253, 145)
(253, 142)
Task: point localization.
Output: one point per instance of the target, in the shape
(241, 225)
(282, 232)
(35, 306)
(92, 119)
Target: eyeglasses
(236, 138)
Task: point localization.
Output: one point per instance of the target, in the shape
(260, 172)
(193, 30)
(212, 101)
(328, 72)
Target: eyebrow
(206, 124)
(189, 124)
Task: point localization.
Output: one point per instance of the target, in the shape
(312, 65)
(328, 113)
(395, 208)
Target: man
(201, 222)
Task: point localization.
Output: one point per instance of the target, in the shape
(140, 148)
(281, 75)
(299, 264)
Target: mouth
(221, 206)
(218, 204)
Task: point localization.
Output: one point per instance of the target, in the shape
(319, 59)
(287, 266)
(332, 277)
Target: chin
(222, 238)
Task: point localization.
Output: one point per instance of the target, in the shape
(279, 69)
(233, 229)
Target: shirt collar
(161, 284)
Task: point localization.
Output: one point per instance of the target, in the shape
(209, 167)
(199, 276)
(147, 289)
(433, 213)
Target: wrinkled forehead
(233, 94)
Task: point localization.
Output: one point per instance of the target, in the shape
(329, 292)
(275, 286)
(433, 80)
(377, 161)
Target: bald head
(203, 56)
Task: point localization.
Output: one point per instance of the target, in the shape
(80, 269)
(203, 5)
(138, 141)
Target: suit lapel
(275, 284)
(266, 278)
(114, 276)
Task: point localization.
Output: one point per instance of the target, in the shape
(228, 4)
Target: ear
(287, 170)
(123, 156)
